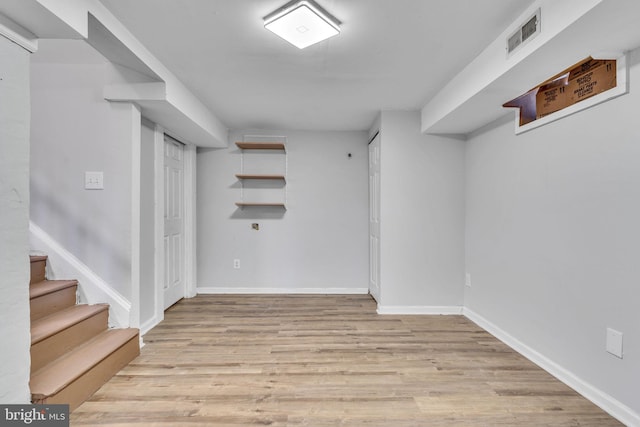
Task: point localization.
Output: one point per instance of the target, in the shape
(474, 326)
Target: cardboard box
(584, 80)
(577, 83)
(552, 96)
(527, 105)
(591, 78)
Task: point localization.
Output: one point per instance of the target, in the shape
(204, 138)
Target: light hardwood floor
(328, 361)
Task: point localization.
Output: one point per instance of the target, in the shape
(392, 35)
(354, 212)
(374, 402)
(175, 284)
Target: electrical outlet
(236, 264)
(614, 342)
(467, 280)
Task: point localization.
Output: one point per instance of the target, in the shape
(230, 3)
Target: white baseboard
(148, 325)
(248, 290)
(615, 408)
(420, 309)
(64, 265)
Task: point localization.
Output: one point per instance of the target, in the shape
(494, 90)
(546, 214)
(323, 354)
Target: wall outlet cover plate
(614, 342)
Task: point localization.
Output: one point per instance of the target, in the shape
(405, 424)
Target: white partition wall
(319, 244)
(14, 222)
(552, 248)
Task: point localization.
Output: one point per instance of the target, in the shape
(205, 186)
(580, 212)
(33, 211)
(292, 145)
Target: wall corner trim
(95, 289)
(607, 403)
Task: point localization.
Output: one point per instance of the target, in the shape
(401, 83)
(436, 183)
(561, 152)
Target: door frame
(189, 223)
(375, 293)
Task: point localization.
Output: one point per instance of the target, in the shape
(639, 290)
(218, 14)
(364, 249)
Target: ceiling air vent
(524, 33)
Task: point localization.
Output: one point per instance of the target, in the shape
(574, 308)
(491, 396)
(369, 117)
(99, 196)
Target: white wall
(75, 130)
(319, 244)
(552, 232)
(14, 223)
(421, 217)
(147, 223)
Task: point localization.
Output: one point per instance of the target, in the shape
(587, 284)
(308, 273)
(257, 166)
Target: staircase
(73, 353)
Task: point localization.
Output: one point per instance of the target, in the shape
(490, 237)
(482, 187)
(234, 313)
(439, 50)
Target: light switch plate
(94, 181)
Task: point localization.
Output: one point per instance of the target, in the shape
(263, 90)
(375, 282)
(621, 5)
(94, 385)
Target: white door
(174, 282)
(374, 218)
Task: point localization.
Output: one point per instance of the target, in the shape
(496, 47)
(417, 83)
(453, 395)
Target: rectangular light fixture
(302, 23)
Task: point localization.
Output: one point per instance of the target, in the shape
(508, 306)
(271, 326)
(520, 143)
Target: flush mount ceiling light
(302, 23)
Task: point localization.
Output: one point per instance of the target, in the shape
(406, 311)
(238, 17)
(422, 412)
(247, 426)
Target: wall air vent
(525, 32)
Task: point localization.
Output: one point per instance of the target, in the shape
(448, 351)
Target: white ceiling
(390, 55)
